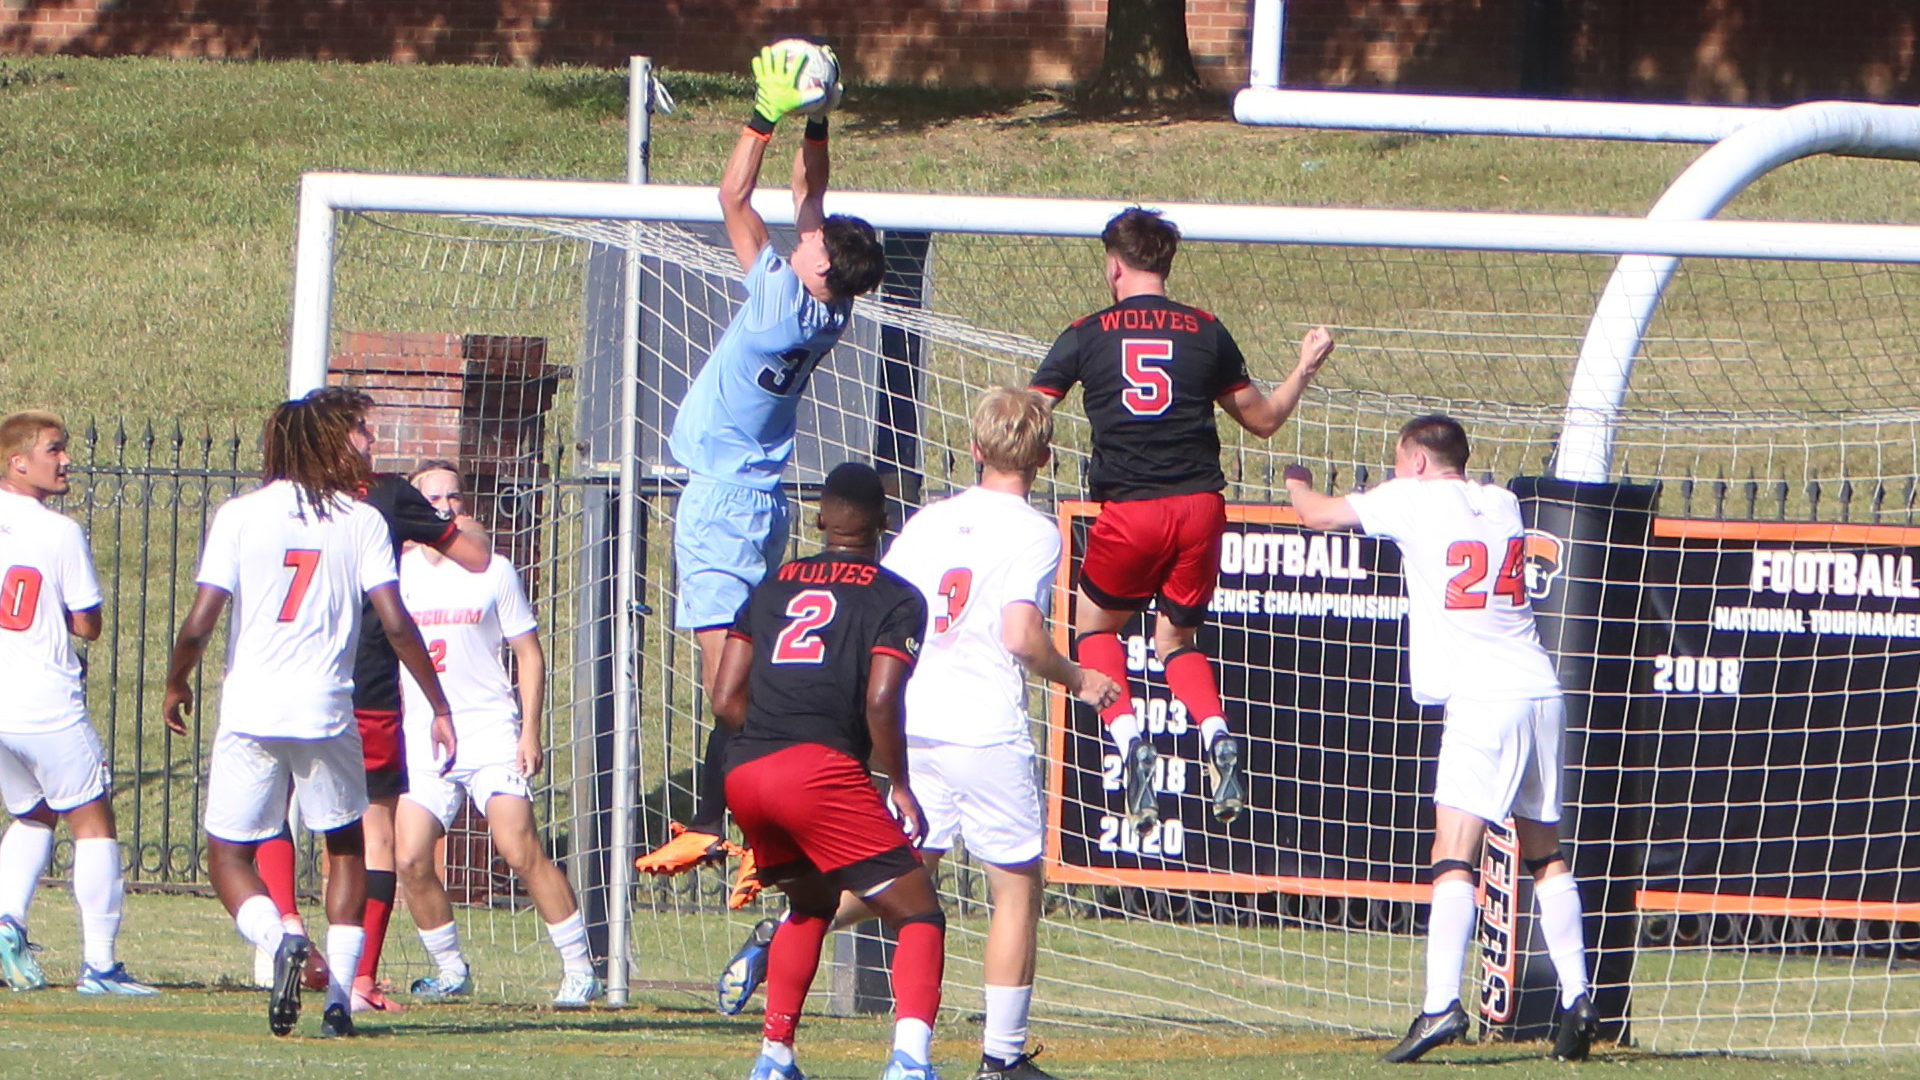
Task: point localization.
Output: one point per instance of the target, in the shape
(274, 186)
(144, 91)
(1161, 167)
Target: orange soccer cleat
(686, 850)
(746, 882)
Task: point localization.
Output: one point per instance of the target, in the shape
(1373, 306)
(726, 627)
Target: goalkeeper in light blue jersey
(735, 429)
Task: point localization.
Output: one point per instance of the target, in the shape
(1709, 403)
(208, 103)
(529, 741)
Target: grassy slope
(146, 206)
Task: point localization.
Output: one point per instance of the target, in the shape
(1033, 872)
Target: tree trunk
(1146, 61)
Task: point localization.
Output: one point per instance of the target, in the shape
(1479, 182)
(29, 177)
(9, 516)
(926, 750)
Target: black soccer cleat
(283, 1001)
(337, 1022)
(1578, 1023)
(1229, 778)
(1020, 1068)
(1142, 806)
(1428, 1031)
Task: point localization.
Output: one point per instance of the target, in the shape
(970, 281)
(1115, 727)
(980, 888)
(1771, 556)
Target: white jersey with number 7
(297, 582)
(1470, 629)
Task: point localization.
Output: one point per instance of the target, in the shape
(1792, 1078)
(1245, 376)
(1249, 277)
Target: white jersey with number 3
(45, 572)
(1470, 625)
(464, 617)
(971, 556)
(297, 582)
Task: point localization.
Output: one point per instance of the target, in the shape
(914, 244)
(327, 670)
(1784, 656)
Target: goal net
(1755, 792)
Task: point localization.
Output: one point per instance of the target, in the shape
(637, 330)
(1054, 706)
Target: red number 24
(1471, 557)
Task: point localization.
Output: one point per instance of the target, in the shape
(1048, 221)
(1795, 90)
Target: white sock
(294, 924)
(98, 890)
(1006, 1034)
(1558, 898)
(1210, 729)
(1125, 732)
(259, 922)
(344, 944)
(25, 849)
(443, 945)
(913, 1038)
(570, 937)
(781, 1053)
(1449, 929)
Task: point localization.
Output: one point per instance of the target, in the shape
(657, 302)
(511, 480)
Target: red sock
(919, 957)
(1190, 677)
(274, 859)
(380, 888)
(1103, 653)
(792, 959)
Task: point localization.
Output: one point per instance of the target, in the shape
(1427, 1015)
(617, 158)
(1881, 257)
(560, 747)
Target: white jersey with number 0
(971, 556)
(464, 617)
(1470, 626)
(297, 582)
(45, 572)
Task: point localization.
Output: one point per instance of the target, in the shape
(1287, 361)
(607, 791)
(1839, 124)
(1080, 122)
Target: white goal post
(1479, 314)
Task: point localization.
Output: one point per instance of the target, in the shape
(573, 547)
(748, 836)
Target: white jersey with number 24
(464, 617)
(1469, 623)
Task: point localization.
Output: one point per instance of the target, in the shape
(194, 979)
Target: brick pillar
(480, 401)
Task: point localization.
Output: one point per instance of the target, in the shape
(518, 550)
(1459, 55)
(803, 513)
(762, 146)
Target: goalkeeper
(735, 429)
(1472, 646)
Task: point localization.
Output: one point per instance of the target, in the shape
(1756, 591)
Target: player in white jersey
(295, 557)
(51, 763)
(735, 428)
(987, 563)
(465, 618)
(1472, 647)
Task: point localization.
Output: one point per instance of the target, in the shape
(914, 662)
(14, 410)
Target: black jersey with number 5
(1151, 368)
(815, 625)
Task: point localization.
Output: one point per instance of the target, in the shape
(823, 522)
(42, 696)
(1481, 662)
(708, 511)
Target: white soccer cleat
(578, 989)
(902, 1067)
(114, 980)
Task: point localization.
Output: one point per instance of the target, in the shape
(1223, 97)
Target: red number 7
(304, 562)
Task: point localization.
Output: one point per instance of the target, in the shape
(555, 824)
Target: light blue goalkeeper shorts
(725, 538)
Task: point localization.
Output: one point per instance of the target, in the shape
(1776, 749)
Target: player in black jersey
(1152, 369)
(376, 692)
(812, 683)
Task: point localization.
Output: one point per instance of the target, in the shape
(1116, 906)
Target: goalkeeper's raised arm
(777, 94)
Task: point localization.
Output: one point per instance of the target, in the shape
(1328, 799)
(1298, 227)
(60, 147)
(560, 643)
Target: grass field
(205, 1026)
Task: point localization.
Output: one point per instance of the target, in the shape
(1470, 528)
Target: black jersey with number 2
(1152, 368)
(376, 670)
(816, 624)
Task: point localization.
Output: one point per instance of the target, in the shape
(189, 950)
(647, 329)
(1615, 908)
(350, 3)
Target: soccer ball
(819, 74)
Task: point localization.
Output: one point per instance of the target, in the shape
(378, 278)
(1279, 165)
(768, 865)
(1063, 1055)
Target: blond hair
(1011, 428)
(20, 431)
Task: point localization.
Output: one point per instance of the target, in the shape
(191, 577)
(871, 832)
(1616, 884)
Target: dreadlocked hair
(308, 445)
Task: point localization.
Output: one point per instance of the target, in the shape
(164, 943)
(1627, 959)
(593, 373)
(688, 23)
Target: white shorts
(64, 768)
(988, 795)
(483, 766)
(247, 784)
(1501, 758)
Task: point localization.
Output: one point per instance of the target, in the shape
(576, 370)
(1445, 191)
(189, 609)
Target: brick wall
(1701, 50)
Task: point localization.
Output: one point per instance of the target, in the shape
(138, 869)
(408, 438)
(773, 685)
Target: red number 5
(304, 562)
(1149, 388)
(19, 597)
(956, 585)
(798, 643)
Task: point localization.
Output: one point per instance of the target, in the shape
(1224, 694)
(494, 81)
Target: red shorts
(811, 807)
(385, 750)
(1165, 549)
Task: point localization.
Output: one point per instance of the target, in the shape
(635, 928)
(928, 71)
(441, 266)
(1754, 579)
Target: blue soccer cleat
(902, 1067)
(443, 987)
(114, 980)
(765, 1068)
(578, 989)
(283, 1001)
(748, 968)
(16, 957)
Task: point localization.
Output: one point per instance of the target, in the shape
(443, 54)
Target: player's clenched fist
(1297, 474)
(1097, 690)
(776, 80)
(1315, 346)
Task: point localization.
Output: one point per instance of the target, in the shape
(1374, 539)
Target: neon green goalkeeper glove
(776, 79)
